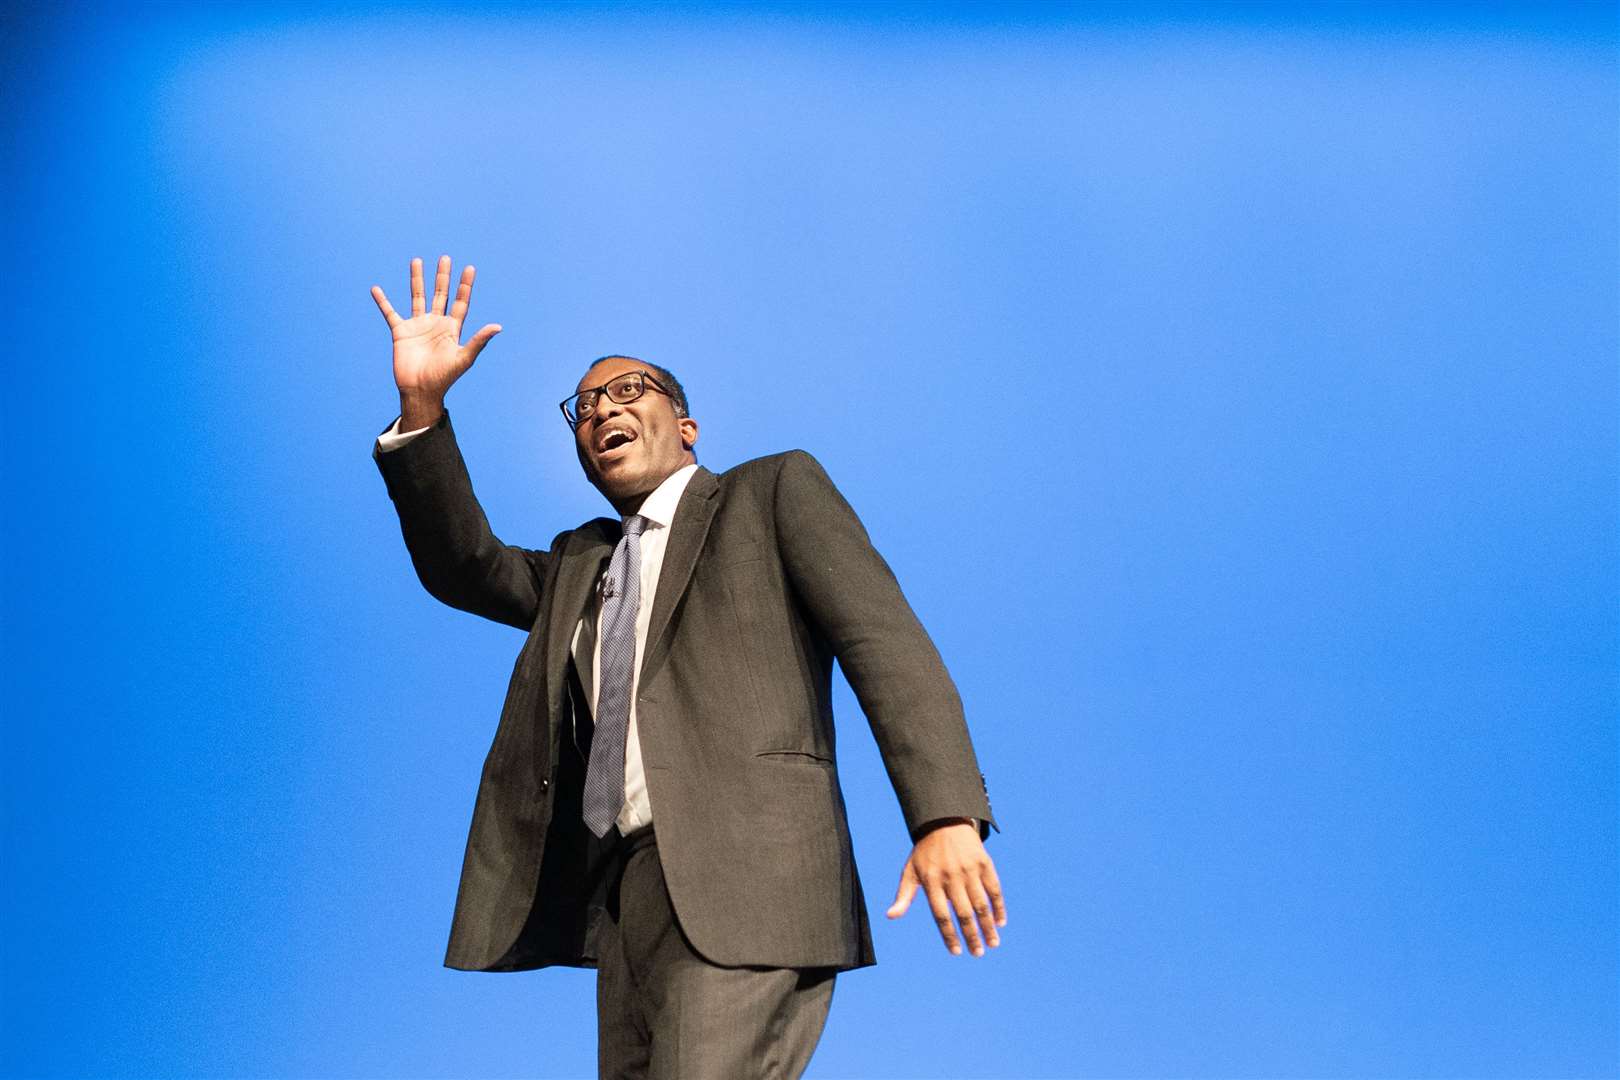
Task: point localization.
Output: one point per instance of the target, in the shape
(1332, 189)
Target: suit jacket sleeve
(892, 665)
(457, 557)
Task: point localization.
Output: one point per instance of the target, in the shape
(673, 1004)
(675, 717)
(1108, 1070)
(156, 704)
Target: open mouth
(614, 439)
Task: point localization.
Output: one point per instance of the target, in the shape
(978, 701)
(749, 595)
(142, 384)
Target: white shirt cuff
(393, 438)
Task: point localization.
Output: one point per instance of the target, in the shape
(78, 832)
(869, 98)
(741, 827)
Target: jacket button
(544, 784)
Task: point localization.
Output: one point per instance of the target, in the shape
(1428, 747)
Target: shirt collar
(659, 507)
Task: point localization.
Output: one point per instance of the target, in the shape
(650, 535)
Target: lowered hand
(950, 864)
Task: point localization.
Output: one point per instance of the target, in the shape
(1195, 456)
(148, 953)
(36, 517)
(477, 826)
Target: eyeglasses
(577, 408)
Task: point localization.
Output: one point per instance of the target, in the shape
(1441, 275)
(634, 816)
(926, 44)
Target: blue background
(1233, 390)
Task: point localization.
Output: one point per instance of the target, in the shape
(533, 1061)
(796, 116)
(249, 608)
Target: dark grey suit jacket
(767, 578)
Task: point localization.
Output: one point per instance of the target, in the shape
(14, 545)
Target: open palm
(428, 354)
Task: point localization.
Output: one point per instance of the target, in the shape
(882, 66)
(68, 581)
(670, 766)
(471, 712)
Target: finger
(479, 340)
(385, 307)
(441, 285)
(418, 305)
(964, 915)
(940, 906)
(458, 310)
(992, 886)
(982, 912)
(903, 895)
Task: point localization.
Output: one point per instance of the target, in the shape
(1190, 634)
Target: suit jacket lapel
(686, 536)
(590, 546)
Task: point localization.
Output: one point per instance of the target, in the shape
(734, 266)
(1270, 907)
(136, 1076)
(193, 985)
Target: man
(661, 800)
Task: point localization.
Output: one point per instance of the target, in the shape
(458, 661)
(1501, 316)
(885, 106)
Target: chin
(623, 484)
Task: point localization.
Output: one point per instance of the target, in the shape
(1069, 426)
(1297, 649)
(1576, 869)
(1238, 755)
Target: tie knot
(634, 524)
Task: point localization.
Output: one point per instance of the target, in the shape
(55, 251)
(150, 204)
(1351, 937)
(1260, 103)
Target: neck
(629, 504)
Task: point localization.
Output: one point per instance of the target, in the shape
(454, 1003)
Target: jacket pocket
(746, 552)
(795, 757)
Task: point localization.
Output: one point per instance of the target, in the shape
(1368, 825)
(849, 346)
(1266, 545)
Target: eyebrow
(581, 389)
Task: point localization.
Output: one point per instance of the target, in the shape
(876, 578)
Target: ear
(689, 432)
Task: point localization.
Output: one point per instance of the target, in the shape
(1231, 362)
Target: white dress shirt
(659, 510)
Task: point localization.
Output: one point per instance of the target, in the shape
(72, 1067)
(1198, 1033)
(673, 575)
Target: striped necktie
(621, 601)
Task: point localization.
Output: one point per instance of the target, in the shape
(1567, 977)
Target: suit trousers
(664, 1012)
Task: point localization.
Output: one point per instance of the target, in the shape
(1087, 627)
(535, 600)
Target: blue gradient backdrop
(1233, 390)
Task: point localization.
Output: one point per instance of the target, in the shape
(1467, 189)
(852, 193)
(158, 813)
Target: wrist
(938, 823)
(419, 409)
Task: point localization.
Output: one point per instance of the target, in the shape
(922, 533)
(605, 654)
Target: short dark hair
(666, 378)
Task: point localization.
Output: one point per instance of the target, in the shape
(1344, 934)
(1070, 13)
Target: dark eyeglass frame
(570, 404)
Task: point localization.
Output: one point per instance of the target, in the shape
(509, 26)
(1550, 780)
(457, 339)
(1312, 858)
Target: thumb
(902, 896)
(480, 339)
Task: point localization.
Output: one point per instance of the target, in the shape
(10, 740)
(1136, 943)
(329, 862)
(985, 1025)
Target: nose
(606, 409)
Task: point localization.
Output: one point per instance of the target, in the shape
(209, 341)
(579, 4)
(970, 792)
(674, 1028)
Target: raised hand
(950, 865)
(428, 354)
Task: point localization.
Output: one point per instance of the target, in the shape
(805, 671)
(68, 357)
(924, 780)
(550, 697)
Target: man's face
(628, 449)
